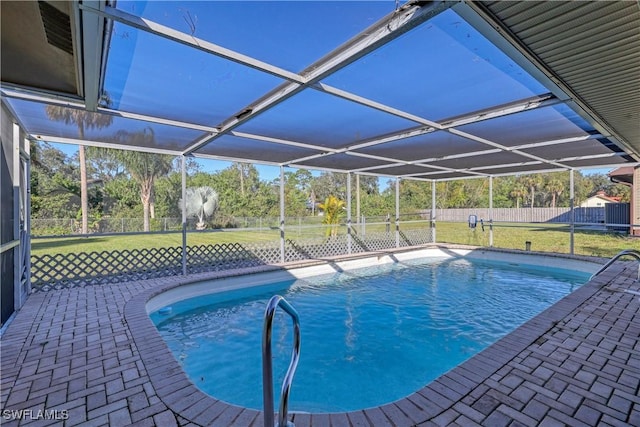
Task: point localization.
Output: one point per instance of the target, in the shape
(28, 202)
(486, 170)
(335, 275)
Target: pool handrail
(267, 365)
(632, 252)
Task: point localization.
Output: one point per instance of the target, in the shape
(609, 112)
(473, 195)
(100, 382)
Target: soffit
(591, 47)
(37, 47)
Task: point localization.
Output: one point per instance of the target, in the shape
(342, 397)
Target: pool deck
(91, 356)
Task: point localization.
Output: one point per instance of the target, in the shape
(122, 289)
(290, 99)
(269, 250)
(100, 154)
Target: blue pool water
(369, 336)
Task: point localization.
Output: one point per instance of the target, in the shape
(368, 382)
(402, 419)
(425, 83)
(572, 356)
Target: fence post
(349, 237)
(491, 211)
(397, 212)
(282, 236)
(184, 215)
(358, 216)
(573, 213)
(433, 211)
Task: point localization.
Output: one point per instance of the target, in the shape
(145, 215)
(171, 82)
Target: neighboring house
(598, 200)
(630, 176)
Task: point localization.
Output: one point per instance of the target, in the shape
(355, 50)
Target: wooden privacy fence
(553, 215)
(70, 270)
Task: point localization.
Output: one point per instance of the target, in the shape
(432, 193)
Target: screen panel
(325, 120)
(442, 69)
(151, 75)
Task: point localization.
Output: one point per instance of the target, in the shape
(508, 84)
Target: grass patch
(64, 245)
(543, 238)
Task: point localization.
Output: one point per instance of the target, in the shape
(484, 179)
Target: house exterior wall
(14, 216)
(635, 203)
(595, 202)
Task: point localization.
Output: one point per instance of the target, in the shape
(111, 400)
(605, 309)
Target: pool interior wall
(201, 288)
(438, 297)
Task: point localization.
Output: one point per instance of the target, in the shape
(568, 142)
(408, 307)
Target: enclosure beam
(189, 40)
(183, 165)
(572, 216)
(91, 51)
(397, 212)
(349, 237)
(282, 241)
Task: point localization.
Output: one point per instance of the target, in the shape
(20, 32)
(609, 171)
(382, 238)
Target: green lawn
(546, 238)
(65, 245)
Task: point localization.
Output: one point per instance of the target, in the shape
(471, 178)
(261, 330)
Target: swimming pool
(370, 335)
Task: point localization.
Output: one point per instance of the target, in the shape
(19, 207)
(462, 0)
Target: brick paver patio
(91, 356)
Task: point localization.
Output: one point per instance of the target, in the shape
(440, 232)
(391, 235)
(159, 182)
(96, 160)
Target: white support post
(358, 203)
(491, 211)
(183, 166)
(282, 237)
(26, 228)
(433, 211)
(397, 212)
(572, 216)
(18, 262)
(349, 237)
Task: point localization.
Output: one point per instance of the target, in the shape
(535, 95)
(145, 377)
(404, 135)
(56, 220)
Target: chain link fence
(68, 227)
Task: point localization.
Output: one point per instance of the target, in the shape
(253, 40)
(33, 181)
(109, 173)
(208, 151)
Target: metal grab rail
(267, 366)
(634, 253)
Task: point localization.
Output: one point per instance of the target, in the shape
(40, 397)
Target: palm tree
(519, 191)
(201, 203)
(244, 173)
(83, 120)
(555, 186)
(333, 210)
(143, 167)
(533, 182)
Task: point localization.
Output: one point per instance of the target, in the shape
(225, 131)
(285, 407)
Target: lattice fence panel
(416, 237)
(316, 248)
(91, 268)
(230, 256)
(268, 252)
(82, 269)
(298, 250)
(375, 241)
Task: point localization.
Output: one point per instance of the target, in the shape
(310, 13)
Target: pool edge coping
(185, 399)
